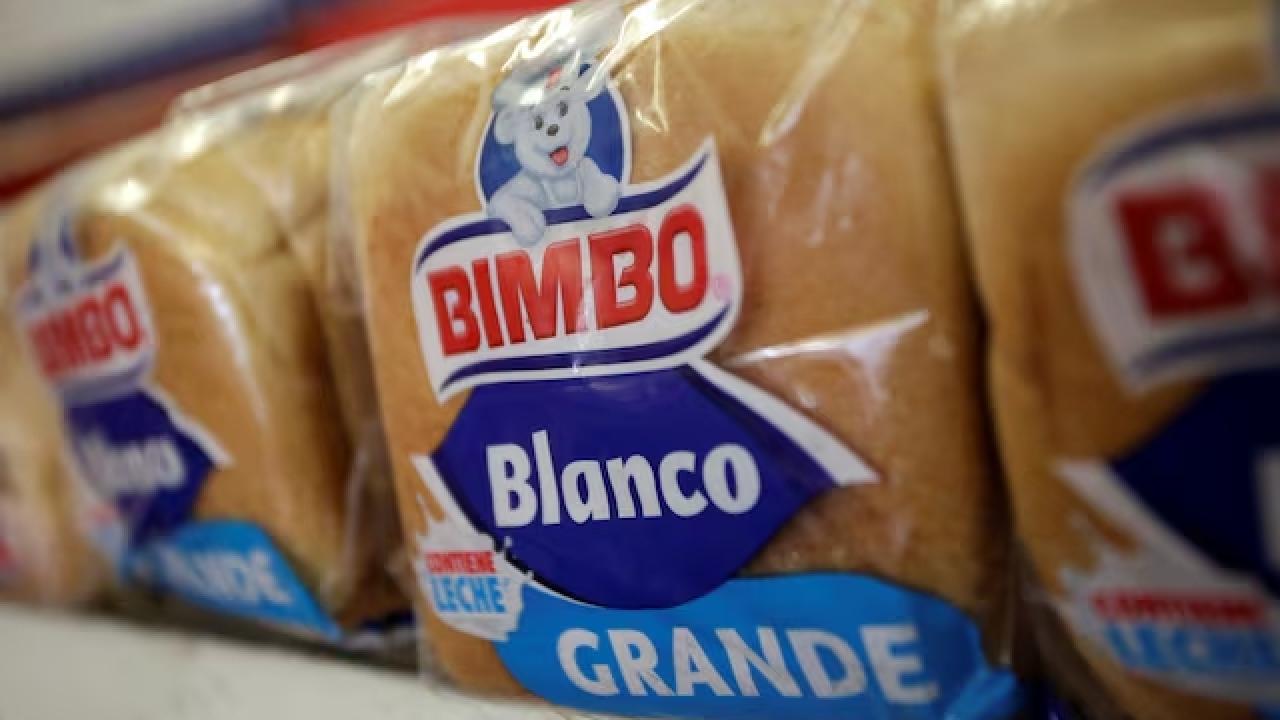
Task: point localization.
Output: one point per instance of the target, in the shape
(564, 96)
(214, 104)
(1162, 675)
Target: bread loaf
(1057, 111)
(855, 311)
(45, 556)
(256, 373)
(241, 349)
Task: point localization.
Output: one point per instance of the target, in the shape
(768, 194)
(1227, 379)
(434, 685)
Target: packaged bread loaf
(45, 556)
(676, 357)
(1118, 164)
(278, 120)
(177, 301)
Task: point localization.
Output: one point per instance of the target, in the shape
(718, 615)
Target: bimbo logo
(1175, 238)
(570, 270)
(87, 325)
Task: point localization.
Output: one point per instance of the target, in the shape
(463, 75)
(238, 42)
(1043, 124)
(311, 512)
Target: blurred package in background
(76, 76)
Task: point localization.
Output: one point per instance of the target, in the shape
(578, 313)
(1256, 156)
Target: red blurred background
(77, 75)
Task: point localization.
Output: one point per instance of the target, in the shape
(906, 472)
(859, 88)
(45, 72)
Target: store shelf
(60, 667)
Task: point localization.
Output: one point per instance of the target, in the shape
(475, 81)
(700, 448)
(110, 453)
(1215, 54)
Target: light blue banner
(797, 647)
(232, 567)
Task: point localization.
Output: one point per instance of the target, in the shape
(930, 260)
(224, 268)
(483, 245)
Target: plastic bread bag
(45, 559)
(1118, 164)
(677, 360)
(177, 302)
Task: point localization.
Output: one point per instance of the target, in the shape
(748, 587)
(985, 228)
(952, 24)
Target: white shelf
(60, 667)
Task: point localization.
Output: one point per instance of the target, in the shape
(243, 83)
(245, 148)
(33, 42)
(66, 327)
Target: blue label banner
(794, 647)
(135, 452)
(635, 491)
(232, 567)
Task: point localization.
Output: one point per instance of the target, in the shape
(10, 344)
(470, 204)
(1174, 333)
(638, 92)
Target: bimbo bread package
(176, 301)
(45, 558)
(677, 361)
(1118, 164)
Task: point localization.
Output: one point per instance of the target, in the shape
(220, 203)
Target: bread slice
(1033, 91)
(823, 118)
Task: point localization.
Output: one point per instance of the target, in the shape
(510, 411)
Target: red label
(1181, 607)
(461, 563)
(540, 300)
(1181, 248)
(633, 246)
(103, 324)
(510, 299)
